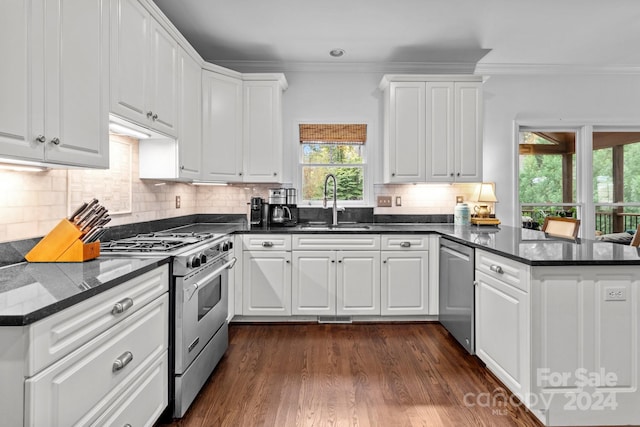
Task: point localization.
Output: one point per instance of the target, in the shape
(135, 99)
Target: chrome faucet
(335, 197)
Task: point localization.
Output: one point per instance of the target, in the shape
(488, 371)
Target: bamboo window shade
(355, 134)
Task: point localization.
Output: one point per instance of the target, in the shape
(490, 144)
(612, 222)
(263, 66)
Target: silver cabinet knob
(41, 139)
(181, 167)
(451, 174)
(155, 117)
(239, 173)
(55, 141)
(275, 174)
(497, 269)
(149, 114)
(393, 174)
(122, 361)
(122, 306)
(458, 174)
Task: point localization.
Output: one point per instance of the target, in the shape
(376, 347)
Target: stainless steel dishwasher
(456, 292)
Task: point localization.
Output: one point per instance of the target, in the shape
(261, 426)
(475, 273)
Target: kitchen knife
(94, 217)
(91, 236)
(73, 216)
(87, 207)
(84, 217)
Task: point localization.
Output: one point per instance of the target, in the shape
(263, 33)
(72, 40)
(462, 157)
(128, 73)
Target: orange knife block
(63, 244)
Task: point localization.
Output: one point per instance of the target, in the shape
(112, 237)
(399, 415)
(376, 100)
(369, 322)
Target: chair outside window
(636, 238)
(561, 227)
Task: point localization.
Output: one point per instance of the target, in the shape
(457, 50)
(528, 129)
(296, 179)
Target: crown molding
(348, 67)
(555, 69)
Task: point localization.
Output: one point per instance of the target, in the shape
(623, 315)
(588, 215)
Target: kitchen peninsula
(556, 320)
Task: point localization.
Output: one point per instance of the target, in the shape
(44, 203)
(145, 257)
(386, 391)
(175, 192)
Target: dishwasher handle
(455, 253)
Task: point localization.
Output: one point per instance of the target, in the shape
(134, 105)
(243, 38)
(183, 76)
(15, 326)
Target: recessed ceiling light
(336, 53)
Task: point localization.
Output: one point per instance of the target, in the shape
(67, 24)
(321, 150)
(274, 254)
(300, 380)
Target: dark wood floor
(350, 375)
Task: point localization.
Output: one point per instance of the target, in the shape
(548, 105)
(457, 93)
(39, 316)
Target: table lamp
(485, 196)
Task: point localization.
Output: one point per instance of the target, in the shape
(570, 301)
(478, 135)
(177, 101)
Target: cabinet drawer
(405, 242)
(506, 270)
(63, 332)
(76, 389)
(336, 241)
(266, 242)
(143, 401)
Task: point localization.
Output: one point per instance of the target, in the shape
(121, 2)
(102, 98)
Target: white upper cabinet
(222, 127)
(263, 146)
(55, 93)
(189, 117)
(144, 75)
(433, 128)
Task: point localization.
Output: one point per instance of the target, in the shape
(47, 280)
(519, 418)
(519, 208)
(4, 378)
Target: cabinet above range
(432, 128)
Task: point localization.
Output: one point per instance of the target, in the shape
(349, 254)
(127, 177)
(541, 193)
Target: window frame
(365, 165)
(584, 203)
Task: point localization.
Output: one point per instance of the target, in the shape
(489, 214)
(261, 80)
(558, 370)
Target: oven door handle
(191, 290)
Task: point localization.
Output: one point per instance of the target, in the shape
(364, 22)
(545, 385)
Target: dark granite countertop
(33, 291)
(524, 245)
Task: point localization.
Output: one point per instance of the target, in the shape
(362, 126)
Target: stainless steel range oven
(201, 262)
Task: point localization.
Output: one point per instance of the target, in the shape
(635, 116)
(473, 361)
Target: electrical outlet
(384, 201)
(459, 199)
(615, 294)
(398, 201)
(177, 202)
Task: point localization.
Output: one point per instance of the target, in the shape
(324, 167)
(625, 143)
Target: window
(616, 181)
(337, 149)
(605, 197)
(547, 176)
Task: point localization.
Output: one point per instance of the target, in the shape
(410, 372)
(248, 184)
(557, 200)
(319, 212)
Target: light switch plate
(384, 201)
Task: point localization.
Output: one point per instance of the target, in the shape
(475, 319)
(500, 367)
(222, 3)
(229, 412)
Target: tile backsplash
(32, 203)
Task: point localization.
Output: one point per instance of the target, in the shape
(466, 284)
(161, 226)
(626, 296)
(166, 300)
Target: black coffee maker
(255, 212)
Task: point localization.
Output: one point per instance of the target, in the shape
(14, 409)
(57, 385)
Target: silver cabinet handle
(55, 141)
(122, 306)
(497, 269)
(405, 244)
(41, 139)
(267, 244)
(122, 361)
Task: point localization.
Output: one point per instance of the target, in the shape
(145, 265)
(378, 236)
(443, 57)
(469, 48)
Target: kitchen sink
(339, 227)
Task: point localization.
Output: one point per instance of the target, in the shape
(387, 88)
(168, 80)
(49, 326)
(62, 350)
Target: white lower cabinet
(404, 287)
(502, 317)
(336, 275)
(78, 388)
(266, 275)
(103, 361)
(336, 282)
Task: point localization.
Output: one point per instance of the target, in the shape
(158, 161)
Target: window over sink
(338, 149)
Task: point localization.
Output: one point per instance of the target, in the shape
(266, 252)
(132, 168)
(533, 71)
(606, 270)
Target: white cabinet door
(56, 90)
(404, 286)
(468, 131)
(222, 127)
(130, 26)
(405, 133)
(358, 283)
(262, 131)
(314, 282)
(190, 117)
(144, 75)
(162, 93)
(440, 132)
(502, 316)
(16, 138)
(266, 283)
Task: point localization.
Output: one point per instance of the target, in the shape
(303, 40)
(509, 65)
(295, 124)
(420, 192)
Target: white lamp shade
(486, 193)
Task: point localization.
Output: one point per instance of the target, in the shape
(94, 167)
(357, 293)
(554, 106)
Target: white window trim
(584, 130)
(366, 166)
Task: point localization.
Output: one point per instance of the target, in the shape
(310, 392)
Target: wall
(31, 204)
(589, 99)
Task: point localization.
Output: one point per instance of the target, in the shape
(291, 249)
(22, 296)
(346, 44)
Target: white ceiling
(414, 35)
